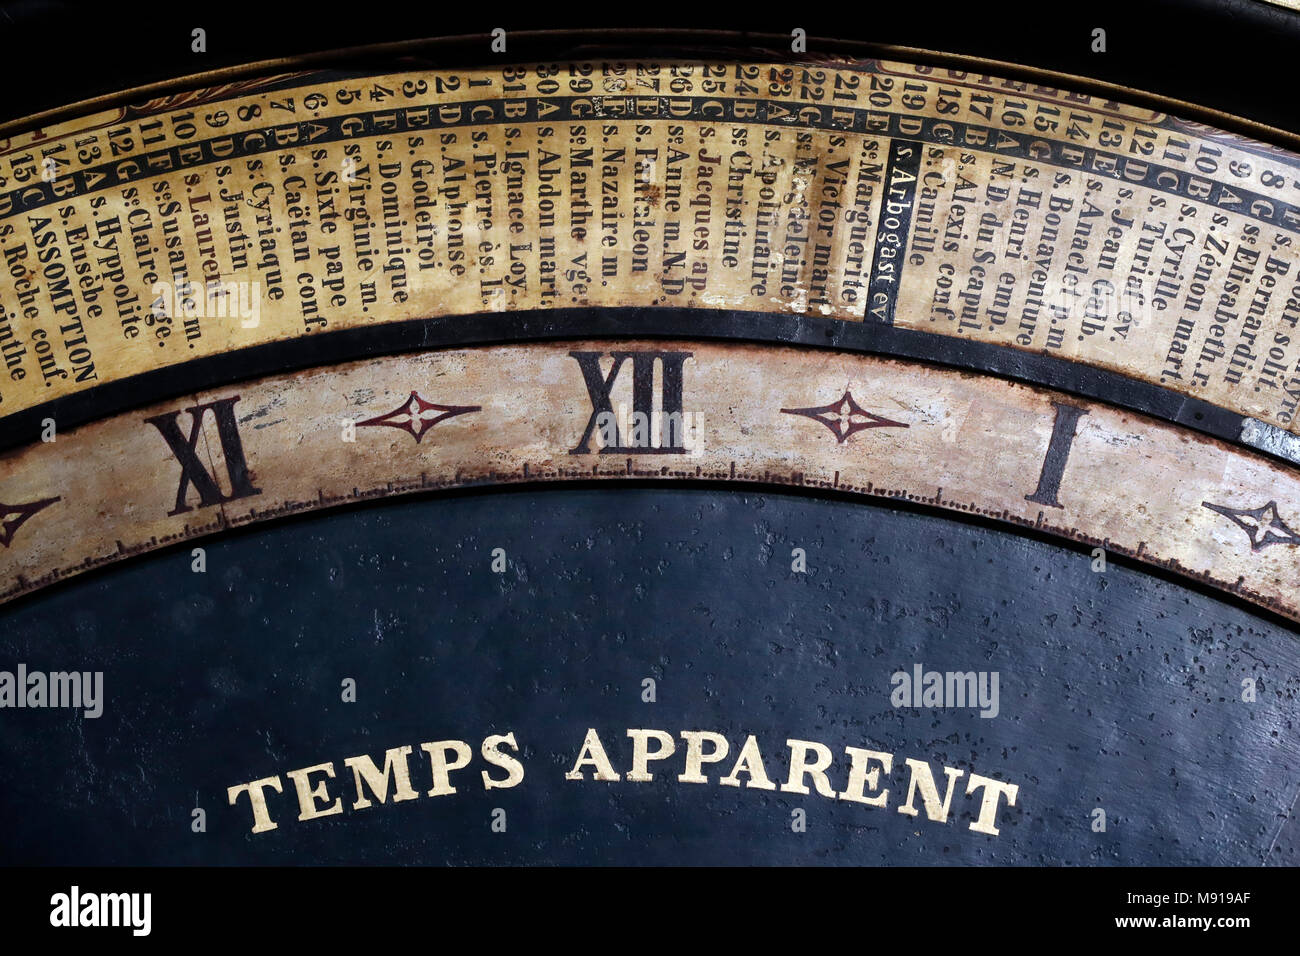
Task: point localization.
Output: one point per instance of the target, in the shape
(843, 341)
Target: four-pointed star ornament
(844, 417)
(416, 416)
(1263, 525)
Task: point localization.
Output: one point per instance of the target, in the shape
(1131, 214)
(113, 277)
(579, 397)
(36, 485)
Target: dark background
(1118, 690)
(1234, 55)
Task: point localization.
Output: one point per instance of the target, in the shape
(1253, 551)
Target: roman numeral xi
(193, 470)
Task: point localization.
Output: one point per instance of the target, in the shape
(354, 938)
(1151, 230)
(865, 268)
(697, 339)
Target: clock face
(649, 461)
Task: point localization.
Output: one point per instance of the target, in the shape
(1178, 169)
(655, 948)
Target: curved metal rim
(522, 326)
(736, 43)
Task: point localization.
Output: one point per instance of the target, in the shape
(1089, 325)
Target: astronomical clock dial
(696, 458)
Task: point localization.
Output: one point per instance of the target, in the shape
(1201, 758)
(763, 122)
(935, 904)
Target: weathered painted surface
(569, 411)
(970, 206)
(1118, 691)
